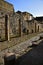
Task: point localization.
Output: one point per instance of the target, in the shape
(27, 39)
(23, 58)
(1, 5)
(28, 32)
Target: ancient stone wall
(6, 9)
(19, 22)
(5, 5)
(2, 27)
(39, 25)
(24, 19)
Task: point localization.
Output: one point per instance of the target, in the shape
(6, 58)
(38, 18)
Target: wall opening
(35, 27)
(38, 28)
(6, 24)
(19, 27)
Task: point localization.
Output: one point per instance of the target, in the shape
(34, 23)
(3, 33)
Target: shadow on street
(32, 57)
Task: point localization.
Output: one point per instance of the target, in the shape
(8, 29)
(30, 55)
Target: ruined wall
(5, 5)
(15, 24)
(19, 22)
(2, 27)
(39, 25)
(27, 21)
(24, 17)
(5, 9)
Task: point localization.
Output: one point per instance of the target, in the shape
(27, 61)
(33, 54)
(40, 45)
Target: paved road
(33, 57)
(20, 48)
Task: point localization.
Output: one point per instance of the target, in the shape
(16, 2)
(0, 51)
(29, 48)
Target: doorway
(6, 29)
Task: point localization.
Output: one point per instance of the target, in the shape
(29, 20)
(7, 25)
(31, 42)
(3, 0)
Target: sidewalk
(21, 48)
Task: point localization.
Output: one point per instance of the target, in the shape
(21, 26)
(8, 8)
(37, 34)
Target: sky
(34, 7)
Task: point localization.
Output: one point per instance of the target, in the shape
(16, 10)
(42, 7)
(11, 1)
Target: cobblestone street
(22, 48)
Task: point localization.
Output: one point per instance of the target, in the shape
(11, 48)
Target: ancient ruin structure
(6, 12)
(25, 19)
(39, 23)
(21, 23)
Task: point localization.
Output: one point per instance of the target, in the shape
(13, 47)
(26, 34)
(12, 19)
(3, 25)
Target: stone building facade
(6, 14)
(27, 18)
(21, 23)
(39, 24)
(23, 19)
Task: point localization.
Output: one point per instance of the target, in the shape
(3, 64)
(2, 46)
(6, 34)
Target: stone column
(21, 25)
(8, 29)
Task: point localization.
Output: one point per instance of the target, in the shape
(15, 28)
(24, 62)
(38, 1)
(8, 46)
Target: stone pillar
(8, 29)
